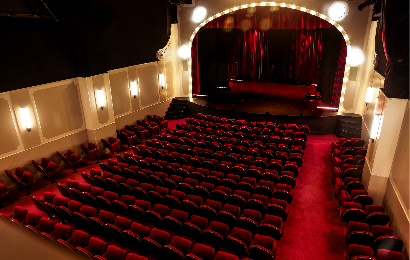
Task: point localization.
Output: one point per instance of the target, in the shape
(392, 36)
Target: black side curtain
(395, 22)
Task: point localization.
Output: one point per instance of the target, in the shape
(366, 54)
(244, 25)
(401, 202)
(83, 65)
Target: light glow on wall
(134, 89)
(354, 56)
(338, 10)
(184, 52)
(26, 118)
(369, 94)
(377, 126)
(100, 98)
(161, 79)
(199, 14)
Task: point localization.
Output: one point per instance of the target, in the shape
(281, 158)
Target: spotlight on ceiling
(354, 57)
(184, 52)
(199, 14)
(338, 10)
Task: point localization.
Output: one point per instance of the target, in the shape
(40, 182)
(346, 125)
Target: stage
(262, 98)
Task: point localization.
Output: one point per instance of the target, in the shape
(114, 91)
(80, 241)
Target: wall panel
(148, 83)
(120, 92)
(59, 109)
(170, 79)
(21, 98)
(8, 135)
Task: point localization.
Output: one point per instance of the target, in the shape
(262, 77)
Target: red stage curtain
(251, 57)
(337, 88)
(259, 56)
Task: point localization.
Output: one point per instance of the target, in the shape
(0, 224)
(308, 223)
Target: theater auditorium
(204, 130)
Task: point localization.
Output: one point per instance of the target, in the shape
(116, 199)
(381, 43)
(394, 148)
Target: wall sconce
(100, 98)
(134, 89)
(26, 118)
(161, 79)
(369, 94)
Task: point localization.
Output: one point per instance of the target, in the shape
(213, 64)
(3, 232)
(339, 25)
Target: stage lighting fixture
(184, 52)
(161, 79)
(100, 98)
(199, 14)
(354, 56)
(26, 118)
(338, 10)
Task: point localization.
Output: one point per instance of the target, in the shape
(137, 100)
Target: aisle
(313, 229)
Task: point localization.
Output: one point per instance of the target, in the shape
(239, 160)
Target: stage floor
(256, 97)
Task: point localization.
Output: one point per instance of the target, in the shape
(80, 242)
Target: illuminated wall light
(342, 99)
(369, 94)
(134, 89)
(273, 4)
(346, 37)
(338, 10)
(199, 14)
(218, 14)
(323, 16)
(345, 79)
(161, 79)
(347, 68)
(184, 52)
(354, 56)
(243, 6)
(283, 5)
(26, 118)
(263, 4)
(312, 12)
(100, 98)
(226, 11)
(340, 28)
(235, 8)
(293, 6)
(303, 9)
(332, 22)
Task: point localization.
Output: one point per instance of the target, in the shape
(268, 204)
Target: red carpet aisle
(314, 229)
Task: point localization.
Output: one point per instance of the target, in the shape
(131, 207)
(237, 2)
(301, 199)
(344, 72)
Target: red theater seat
(201, 252)
(262, 247)
(177, 249)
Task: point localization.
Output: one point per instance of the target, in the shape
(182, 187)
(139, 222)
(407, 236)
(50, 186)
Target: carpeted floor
(313, 229)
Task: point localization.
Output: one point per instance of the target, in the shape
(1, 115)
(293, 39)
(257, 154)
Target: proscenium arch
(284, 5)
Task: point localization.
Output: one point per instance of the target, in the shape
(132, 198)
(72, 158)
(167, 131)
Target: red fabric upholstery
(225, 256)
(19, 213)
(131, 256)
(106, 217)
(96, 246)
(111, 195)
(32, 219)
(379, 231)
(62, 231)
(46, 225)
(114, 253)
(84, 187)
(203, 251)
(141, 230)
(159, 236)
(122, 223)
(79, 238)
(88, 211)
(97, 191)
(368, 209)
(356, 250)
(60, 201)
(72, 184)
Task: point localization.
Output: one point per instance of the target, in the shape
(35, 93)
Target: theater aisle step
(313, 229)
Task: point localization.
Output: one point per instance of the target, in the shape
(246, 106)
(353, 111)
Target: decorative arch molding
(281, 5)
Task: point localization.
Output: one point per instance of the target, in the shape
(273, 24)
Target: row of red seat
(356, 207)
